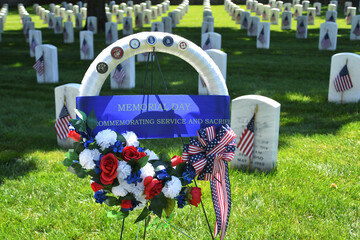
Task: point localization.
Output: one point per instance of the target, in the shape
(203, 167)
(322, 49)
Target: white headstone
(78, 21)
(245, 20)
(335, 2)
(114, 9)
(147, 16)
(130, 3)
(346, 94)
(211, 40)
(76, 9)
(157, 27)
(207, 27)
(35, 39)
(139, 20)
(51, 72)
(68, 32)
(317, 6)
(305, 5)
(328, 36)
(27, 27)
(58, 26)
(122, 6)
(253, 26)
(355, 28)
(69, 6)
(111, 33)
(238, 15)
(153, 13)
(173, 16)
(297, 11)
(46, 16)
(148, 4)
(286, 18)
(51, 20)
(265, 13)
(83, 12)
(63, 13)
(123, 77)
(272, 3)
(86, 45)
(119, 16)
(311, 15)
(137, 9)
(351, 12)
(220, 58)
(69, 15)
(80, 4)
(66, 93)
(279, 5)
(127, 26)
(263, 35)
(266, 131)
(259, 8)
(331, 16)
(301, 30)
(287, 7)
(331, 7)
(167, 24)
(274, 16)
(108, 17)
(92, 24)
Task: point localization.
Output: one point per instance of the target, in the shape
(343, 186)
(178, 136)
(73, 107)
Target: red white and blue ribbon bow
(209, 154)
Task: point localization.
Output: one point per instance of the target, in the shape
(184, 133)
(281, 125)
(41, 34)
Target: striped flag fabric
(207, 44)
(85, 47)
(342, 81)
(325, 42)
(244, 23)
(91, 26)
(301, 29)
(119, 74)
(261, 36)
(296, 14)
(39, 65)
(252, 27)
(246, 143)
(357, 30)
(62, 123)
(286, 21)
(33, 44)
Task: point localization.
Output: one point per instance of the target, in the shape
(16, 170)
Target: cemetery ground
(318, 145)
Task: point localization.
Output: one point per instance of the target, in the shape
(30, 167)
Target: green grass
(318, 145)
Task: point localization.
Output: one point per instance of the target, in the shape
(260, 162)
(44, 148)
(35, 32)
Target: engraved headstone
(58, 26)
(108, 17)
(331, 16)
(297, 11)
(355, 28)
(279, 5)
(305, 5)
(68, 32)
(139, 20)
(346, 5)
(123, 76)
(78, 21)
(119, 16)
(311, 15)
(238, 15)
(157, 27)
(287, 7)
(265, 13)
(153, 13)
(317, 6)
(50, 74)
(328, 36)
(130, 3)
(127, 26)
(253, 26)
(92, 24)
(27, 27)
(263, 35)
(266, 131)
(128, 11)
(114, 9)
(274, 16)
(207, 27)
(111, 33)
(344, 91)
(245, 19)
(173, 17)
(76, 9)
(86, 45)
(69, 15)
(211, 40)
(83, 12)
(35, 39)
(259, 8)
(301, 30)
(147, 16)
(351, 12)
(167, 24)
(331, 7)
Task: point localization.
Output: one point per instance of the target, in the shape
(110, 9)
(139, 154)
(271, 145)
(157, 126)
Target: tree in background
(96, 8)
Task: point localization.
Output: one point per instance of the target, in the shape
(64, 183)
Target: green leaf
(112, 214)
(170, 206)
(92, 121)
(179, 169)
(142, 161)
(164, 156)
(81, 114)
(145, 212)
(132, 162)
(72, 155)
(81, 173)
(159, 165)
(67, 162)
(78, 147)
(79, 125)
(158, 203)
(121, 138)
(112, 201)
(161, 225)
(121, 214)
(92, 146)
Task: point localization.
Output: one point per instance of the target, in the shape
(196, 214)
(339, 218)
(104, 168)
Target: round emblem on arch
(168, 41)
(134, 43)
(151, 40)
(183, 45)
(102, 67)
(117, 52)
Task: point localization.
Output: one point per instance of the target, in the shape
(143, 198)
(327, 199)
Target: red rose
(126, 204)
(196, 196)
(152, 187)
(176, 160)
(131, 152)
(74, 135)
(96, 187)
(108, 165)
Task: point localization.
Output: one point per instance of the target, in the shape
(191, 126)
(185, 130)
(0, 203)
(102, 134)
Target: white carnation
(123, 170)
(87, 158)
(138, 189)
(151, 154)
(119, 191)
(131, 139)
(147, 170)
(106, 138)
(172, 188)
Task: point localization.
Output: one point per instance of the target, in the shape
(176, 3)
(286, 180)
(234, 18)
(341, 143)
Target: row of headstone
(3, 15)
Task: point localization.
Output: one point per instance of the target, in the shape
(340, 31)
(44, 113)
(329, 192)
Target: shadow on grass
(16, 168)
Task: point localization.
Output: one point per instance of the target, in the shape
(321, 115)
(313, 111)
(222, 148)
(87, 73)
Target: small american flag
(85, 47)
(119, 74)
(252, 27)
(331, 19)
(357, 30)
(261, 36)
(296, 14)
(39, 65)
(342, 81)
(310, 17)
(273, 18)
(62, 123)
(325, 42)
(238, 17)
(264, 15)
(91, 26)
(109, 36)
(301, 28)
(127, 25)
(57, 27)
(286, 21)
(33, 44)
(207, 44)
(246, 143)
(244, 24)
(348, 18)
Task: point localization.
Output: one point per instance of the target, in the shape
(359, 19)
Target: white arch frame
(182, 48)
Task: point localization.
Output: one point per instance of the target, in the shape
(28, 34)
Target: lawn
(318, 144)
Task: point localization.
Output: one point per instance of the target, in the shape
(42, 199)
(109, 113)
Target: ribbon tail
(221, 196)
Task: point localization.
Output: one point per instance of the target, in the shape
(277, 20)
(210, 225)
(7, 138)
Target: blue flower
(117, 147)
(162, 174)
(189, 175)
(97, 165)
(134, 178)
(181, 199)
(88, 142)
(100, 196)
(140, 149)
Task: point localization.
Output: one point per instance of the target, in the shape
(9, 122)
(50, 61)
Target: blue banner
(157, 116)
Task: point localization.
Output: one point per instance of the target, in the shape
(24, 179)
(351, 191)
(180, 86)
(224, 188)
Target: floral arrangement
(126, 175)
